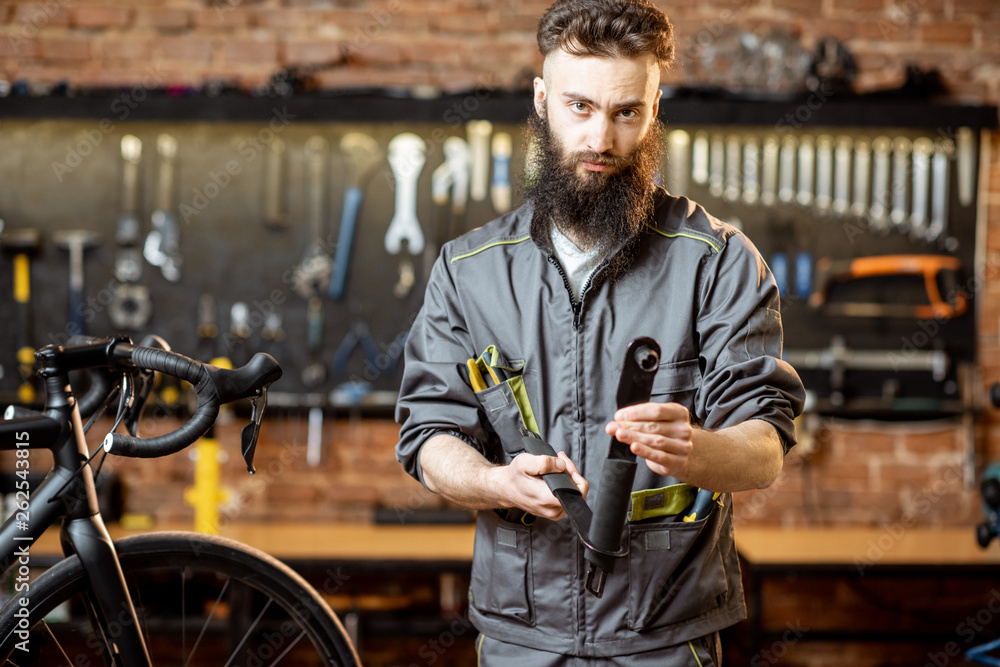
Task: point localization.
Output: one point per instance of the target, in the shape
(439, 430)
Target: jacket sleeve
(740, 338)
(435, 395)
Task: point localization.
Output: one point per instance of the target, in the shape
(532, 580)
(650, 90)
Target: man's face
(598, 109)
(597, 146)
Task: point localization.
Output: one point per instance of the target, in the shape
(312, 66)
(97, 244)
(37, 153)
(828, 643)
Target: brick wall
(853, 474)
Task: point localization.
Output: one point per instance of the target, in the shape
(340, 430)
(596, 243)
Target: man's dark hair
(607, 28)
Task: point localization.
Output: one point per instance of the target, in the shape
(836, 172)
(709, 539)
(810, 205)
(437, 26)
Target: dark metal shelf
(677, 107)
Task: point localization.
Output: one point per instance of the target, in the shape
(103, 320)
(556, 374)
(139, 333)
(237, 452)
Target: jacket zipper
(577, 307)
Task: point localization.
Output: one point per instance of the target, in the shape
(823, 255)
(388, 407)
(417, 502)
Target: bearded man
(553, 293)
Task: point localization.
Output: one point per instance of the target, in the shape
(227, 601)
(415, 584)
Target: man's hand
(660, 433)
(524, 487)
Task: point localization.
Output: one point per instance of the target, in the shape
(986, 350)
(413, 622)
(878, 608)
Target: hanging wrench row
(899, 184)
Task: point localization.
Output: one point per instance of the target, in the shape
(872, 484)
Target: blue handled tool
(363, 154)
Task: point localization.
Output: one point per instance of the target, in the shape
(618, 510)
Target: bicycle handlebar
(212, 385)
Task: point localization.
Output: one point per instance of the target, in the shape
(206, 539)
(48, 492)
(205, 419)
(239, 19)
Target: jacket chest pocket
(677, 382)
(504, 417)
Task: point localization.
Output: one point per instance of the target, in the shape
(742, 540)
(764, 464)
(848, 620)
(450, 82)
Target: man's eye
(579, 106)
(629, 113)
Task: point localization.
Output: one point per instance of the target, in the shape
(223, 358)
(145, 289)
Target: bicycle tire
(204, 559)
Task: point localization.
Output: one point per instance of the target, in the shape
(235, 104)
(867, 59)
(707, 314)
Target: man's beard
(604, 209)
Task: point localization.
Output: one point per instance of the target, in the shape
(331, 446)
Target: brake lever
(251, 431)
(140, 388)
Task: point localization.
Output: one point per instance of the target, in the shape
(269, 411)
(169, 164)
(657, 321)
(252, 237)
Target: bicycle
(235, 605)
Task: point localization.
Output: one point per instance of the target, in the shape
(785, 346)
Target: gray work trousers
(703, 652)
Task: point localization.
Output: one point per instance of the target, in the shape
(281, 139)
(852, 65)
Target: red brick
(350, 494)
(250, 51)
(906, 474)
(859, 5)
(378, 53)
(284, 19)
(465, 22)
(932, 443)
(38, 16)
(842, 29)
(946, 32)
(983, 7)
(848, 443)
(123, 48)
(163, 17)
(312, 52)
(100, 16)
(805, 7)
(65, 48)
(221, 17)
(13, 46)
(194, 49)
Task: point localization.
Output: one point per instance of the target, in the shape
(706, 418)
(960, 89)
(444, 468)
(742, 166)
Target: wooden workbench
(439, 547)
(808, 562)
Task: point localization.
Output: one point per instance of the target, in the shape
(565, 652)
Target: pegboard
(877, 316)
(231, 252)
(228, 249)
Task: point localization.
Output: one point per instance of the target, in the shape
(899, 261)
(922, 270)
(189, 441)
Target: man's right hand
(523, 486)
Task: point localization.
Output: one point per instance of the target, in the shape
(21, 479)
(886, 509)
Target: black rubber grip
(609, 515)
(556, 480)
(182, 367)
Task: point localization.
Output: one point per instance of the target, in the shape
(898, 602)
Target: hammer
(77, 242)
(21, 244)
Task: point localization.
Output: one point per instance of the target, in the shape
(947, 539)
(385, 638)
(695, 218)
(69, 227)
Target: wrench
(862, 168)
(478, 133)
(966, 167)
(162, 247)
(922, 149)
(939, 190)
(699, 158)
(679, 154)
(824, 172)
(500, 188)
(734, 154)
(274, 166)
(453, 174)
(786, 169)
(769, 173)
(751, 172)
(842, 175)
(407, 155)
(901, 147)
(716, 165)
(312, 275)
(805, 180)
(879, 211)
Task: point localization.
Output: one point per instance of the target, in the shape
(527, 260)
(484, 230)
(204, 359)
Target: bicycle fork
(114, 619)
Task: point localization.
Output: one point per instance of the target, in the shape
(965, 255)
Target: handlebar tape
(184, 368)
(213, 386)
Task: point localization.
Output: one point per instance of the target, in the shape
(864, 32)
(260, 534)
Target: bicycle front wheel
(200, 600)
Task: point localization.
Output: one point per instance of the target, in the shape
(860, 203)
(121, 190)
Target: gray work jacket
(701, 290)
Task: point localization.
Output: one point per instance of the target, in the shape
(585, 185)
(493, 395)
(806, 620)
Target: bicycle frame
(69, 492)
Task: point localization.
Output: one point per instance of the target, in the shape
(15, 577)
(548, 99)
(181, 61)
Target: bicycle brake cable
(123, 403)
(101, 410)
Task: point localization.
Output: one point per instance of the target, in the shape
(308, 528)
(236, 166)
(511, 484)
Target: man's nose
(600, 135)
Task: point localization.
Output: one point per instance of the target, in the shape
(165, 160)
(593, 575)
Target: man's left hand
(660, 433)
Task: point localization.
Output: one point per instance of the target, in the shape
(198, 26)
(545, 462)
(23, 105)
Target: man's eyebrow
(580, 97)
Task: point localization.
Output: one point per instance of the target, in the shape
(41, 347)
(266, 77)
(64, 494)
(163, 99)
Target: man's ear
(656, 102)
(540, 96)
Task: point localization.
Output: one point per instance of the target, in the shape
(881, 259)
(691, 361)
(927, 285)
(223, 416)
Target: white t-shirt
(578, 265)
